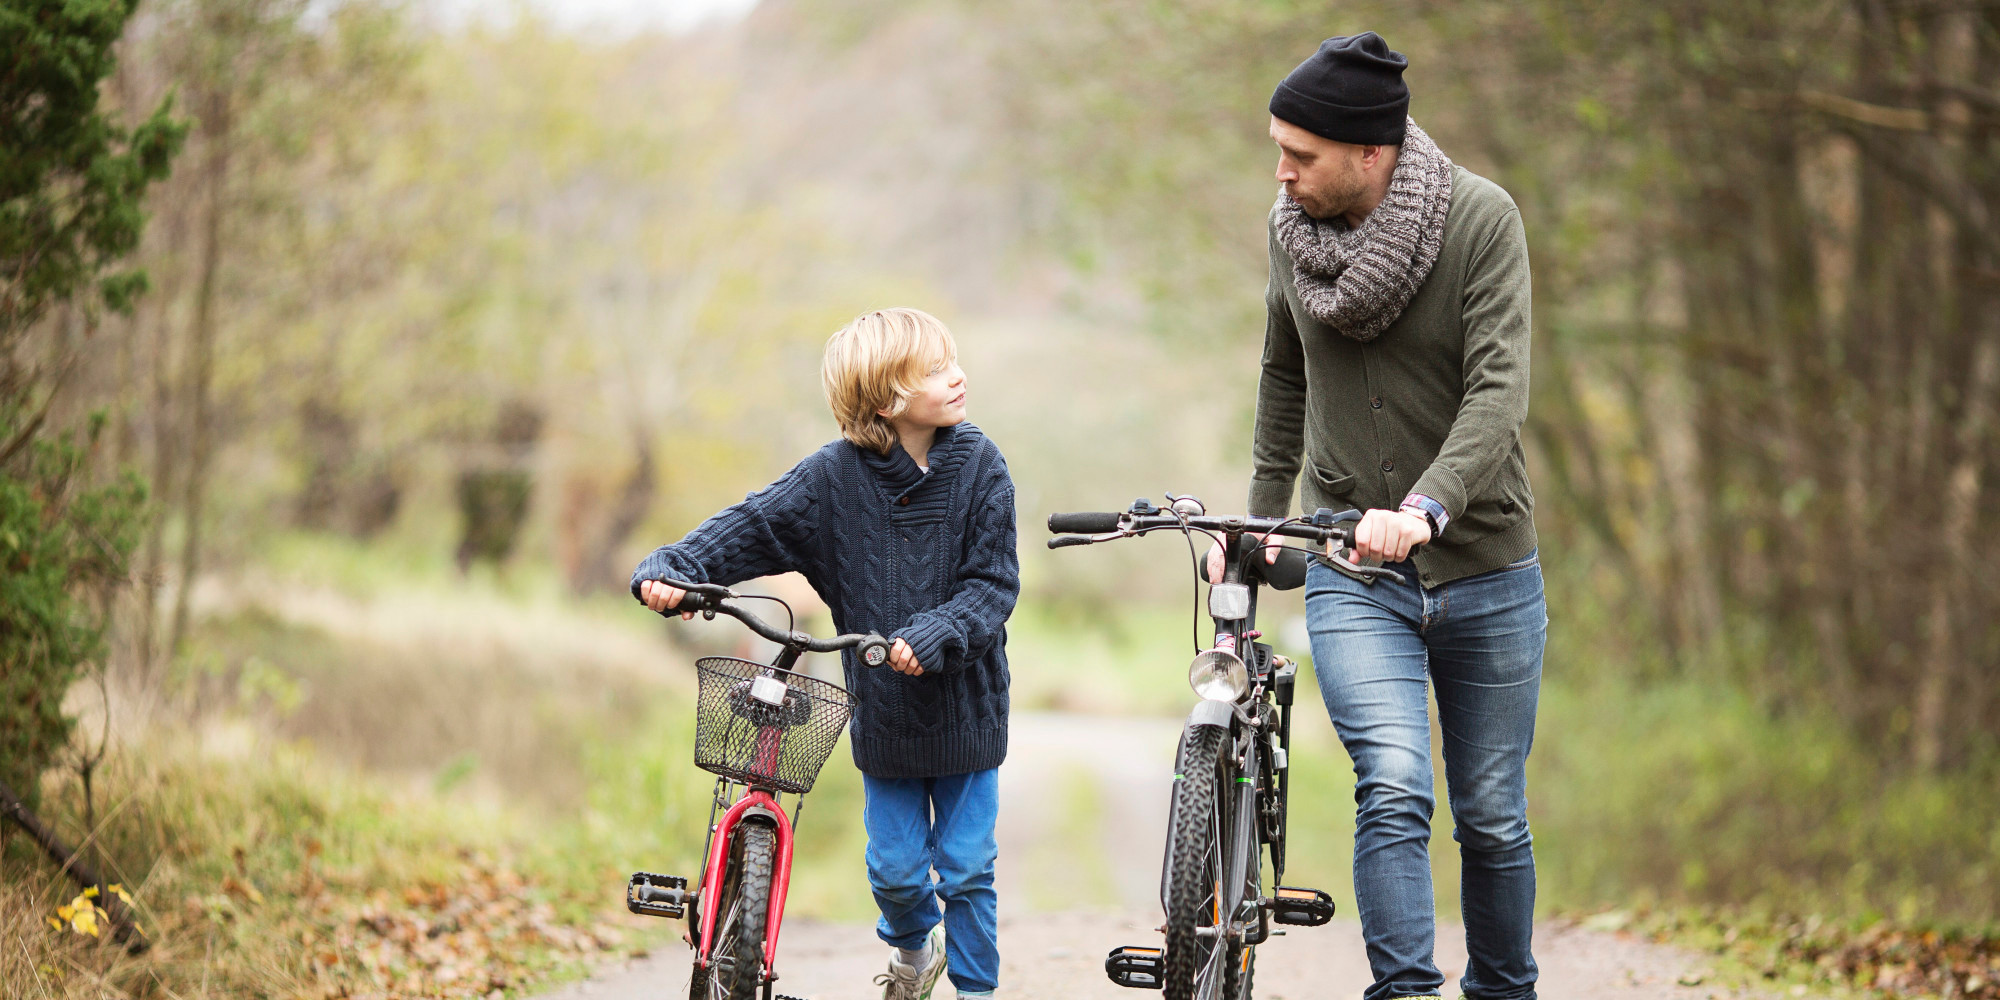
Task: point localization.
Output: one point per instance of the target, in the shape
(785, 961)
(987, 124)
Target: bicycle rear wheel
(736, 965)
(1198, 966)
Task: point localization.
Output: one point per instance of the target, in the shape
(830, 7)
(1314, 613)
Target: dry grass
(352, 802)
(269, 873)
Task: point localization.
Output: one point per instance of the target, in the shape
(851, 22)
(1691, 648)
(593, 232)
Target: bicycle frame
(756, 805)
(1240, 839)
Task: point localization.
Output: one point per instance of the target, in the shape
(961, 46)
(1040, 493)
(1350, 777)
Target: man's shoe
(915, 982)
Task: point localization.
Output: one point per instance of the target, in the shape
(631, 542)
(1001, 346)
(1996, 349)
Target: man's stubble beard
(1341, 193)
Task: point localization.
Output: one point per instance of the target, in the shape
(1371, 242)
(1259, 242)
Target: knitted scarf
(1358, 279)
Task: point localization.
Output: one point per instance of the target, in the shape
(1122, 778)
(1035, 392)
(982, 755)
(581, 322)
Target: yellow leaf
(85, 922)
(65, 912)
(90, 892)
(55, 924)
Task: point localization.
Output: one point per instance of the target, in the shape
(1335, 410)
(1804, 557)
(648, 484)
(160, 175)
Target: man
(1395, 373)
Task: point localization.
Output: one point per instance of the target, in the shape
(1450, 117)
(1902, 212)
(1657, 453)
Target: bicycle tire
(1194, 827)
(1247, 974)
(705, 984)
(744, 974)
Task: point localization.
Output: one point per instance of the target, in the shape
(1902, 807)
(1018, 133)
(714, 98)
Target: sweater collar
(901, 474)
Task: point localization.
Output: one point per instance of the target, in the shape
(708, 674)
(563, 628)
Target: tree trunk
(153, 562)
(1944, 658)
(599, 568)
(201, 361)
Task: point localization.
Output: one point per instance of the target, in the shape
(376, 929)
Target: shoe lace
(890, 982)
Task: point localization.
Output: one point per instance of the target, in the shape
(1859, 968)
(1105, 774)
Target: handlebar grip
(696, 596)
(1089, 522)
(691, 601)
(872, 651)
(1288, 572)
(1065, 541)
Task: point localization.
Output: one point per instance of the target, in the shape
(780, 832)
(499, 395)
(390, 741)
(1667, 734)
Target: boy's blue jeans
(920, 825)
(1374, 650)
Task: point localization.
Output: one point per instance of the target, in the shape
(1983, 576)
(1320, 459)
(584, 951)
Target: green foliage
(71, 188)
(1708, 799)
(63, 545)
(71, 180)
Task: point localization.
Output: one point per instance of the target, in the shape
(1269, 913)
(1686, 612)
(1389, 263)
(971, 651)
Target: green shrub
(64, 547)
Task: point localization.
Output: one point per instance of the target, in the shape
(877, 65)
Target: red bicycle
(765, 731)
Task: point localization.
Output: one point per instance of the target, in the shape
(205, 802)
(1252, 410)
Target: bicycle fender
(1211, 713)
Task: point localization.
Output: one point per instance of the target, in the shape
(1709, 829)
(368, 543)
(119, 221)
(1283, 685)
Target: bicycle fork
(667, 895)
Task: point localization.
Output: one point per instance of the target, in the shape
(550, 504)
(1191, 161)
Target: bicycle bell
(1187, 506)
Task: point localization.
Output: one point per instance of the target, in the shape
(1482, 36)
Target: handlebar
(1089, 522)
(1091, 527)
(1104, 522)
(712, 599)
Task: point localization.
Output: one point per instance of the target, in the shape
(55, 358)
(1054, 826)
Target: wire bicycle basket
(765, 726)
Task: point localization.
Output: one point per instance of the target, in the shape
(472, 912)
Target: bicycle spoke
(722, 975)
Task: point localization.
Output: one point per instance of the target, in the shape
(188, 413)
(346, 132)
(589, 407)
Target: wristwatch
(1428, 517)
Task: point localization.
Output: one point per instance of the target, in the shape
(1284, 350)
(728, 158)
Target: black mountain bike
(1230, 778)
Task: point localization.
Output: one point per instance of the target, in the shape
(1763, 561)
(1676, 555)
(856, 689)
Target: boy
(905, 527)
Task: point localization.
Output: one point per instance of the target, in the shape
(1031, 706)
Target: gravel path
(1053, 947)
(1061, 955)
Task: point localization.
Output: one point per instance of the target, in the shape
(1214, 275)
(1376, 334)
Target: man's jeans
(916, 825)
(1374, 649)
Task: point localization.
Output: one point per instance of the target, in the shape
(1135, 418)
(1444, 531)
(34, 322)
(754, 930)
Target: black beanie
(1351, 90)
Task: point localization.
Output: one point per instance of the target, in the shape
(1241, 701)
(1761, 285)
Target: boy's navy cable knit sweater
(925, 557)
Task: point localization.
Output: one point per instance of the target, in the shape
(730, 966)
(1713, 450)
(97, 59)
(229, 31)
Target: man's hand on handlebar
(903, 659)
(662, 598)
(1388, 535)
(1215, 556)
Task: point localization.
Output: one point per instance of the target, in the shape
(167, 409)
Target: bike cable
(791, 617)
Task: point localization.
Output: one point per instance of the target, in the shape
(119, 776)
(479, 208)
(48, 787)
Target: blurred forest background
(324, 525)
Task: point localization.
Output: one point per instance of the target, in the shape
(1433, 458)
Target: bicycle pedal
(653, 895)
(1300, 907)
(1137, 967)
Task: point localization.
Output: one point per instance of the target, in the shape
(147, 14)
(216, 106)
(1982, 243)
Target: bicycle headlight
(1219, 675)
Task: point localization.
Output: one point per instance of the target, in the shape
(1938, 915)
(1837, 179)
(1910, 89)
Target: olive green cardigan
(1433, 406)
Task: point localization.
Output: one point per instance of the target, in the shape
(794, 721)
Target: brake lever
(1364, 575)
(1065, 541)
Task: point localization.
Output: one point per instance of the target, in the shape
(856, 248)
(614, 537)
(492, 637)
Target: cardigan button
(902, 501)
(1376, 402)
(1388, 466)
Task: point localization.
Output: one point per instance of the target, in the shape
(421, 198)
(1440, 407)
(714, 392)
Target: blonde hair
(878, 361)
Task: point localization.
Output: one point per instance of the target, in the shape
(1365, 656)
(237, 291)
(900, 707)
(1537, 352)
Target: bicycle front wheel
(736, 966)
(1202, 963)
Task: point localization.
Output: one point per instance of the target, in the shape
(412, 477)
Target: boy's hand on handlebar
(1387, 535)
(1215, 557)
(903, 659)
(662, 598)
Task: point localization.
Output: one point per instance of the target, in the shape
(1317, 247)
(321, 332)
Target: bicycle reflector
(1219, 675)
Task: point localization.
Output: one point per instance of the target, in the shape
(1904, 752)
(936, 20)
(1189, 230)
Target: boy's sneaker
(915, 981)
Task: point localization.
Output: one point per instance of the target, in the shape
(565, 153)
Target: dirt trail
(1054, 935)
